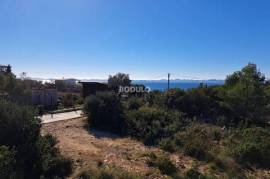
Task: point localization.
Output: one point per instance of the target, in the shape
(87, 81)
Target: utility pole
(169, 80)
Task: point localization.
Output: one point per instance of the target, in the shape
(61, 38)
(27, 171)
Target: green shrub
(107, 173)
(251, 146)
(7, 162)
(26, 152)
(167, 145)
(196, 141)
(19, 130)
(152, 124)
(156, 99)
(216, 133)
(174, 98)
(68, 100)
(163, 163)
(195, 149)
(79, 100)
(245, 99)
(85, 175)
(166, 166)
(201, 102)
(195, 174)
(52, 163)
(104, 111)
(134, 103)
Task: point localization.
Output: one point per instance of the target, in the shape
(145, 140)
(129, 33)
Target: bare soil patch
(88, 149)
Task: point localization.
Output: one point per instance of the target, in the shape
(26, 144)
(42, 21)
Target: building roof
(44, 88)
(93, 82)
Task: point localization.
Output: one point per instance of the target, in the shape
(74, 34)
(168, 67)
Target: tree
(174, 98)
(245, 98)
(249, 75)
(2, 82)
(199, 102)
(5, 69)
(19, 129)
(9, 71)
(120, 79)
(21, 152)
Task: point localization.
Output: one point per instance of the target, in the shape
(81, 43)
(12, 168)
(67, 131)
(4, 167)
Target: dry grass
(91, 149)
(88, 149)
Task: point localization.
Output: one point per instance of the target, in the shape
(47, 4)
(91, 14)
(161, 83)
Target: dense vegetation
(107, 173)
(24, 153)
(104, 111)
(18, 90)
(225, 126)
(120, 79)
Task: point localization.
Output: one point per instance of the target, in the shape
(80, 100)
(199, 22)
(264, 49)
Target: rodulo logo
(134, 89)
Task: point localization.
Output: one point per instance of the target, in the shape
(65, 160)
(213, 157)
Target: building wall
(67, 81)
(45, 97)
(90, 88)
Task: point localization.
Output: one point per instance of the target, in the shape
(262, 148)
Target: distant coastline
(162, 85)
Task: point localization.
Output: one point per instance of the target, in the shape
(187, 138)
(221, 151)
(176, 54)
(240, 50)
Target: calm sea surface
(162, 85)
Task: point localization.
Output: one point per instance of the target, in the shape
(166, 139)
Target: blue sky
(145, 38)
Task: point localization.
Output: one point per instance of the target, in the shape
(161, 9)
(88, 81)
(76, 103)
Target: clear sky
(145, 38)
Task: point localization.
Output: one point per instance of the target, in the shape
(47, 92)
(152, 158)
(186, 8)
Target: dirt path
(48, 118)
(88, 149)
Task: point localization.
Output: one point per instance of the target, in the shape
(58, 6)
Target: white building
(70, 81)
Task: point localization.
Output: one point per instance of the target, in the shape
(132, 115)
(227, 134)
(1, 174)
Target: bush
(134, 103)
(151, 124)
(156, 99)
(163, 163)
(251, 146)
(167, 145)
(52, 163)
(26, 152)
(68, 100)
(174, 98)
(104, 111)
(202, 102)
(216, 134)
(79, 100)
(85, 175)
(7, 162)
(195, 174)
(243, 99)
(107, 173)
(196, 141)
(195, 150)
(19, 129)
(166, 166)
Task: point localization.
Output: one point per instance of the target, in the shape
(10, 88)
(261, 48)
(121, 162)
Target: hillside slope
(90, 149)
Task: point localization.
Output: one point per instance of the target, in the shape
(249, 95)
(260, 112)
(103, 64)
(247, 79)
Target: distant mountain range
(137, 81)
(179, 80)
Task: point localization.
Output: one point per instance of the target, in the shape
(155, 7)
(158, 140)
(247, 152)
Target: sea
(162, 85)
